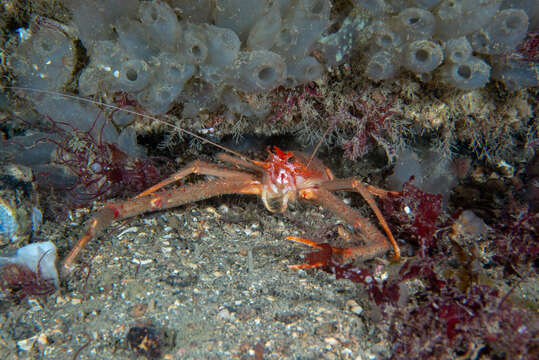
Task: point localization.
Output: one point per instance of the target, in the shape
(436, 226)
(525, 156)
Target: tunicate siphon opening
(457, 56)
(474, 73)
(164, 95)
(479, 41)
(422, 55)
(464, 71)
(375, 68)
(131, 75)
(267, 74)
(195, 50)
(194, 45)
(415, 23)
(380, 66)
(385, 40)
(412, 20)
(513, 22)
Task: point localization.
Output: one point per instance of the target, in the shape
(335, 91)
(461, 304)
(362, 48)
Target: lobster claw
(320, 258)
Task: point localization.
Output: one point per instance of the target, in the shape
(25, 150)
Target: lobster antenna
(317, 147)
(114, 107)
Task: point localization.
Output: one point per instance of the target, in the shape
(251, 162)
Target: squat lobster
(282, 178)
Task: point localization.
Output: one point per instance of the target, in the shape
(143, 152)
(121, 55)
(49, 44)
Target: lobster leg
(195, 167)
(158, 201)
(317, 259)
(378, 243)
(355, 185)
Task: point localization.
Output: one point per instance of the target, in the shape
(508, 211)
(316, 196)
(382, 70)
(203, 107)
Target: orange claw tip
(305, 241)
(307, 266)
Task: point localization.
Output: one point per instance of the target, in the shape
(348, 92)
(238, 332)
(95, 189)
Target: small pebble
(225, 315)
(354, 307)
(138, 310)
(331, 341)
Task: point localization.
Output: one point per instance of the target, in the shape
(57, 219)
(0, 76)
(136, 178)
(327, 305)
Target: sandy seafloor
(213, 278)
(188, 273)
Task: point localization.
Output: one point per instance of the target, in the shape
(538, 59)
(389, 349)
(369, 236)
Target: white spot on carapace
(282, 178)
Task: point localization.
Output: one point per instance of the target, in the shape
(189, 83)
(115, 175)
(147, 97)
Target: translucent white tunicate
(212, 74)
(302, 27)
(288, 40)
(125, 117)
(29, 149)
(127, 142)
(199, 11)
(308, 11)
(264, 33)
(422, 56)
(170, 80)
(304, 70)
(473, 73)
(93, 18)
(43, 61)
(381, 66)
(106, 58)
(240, 15)
(134, 40)
(72, 114)
(384, 37)
(371, 7)
(414, 24)
(458, 18)
(223, 46)
(517, 74)
(91, 80)
(158, 98)
(531, 7)
(193, 45)
(260, 70)
(198, 95)
(160, 21)
(425, 4)
(457, 50)
(133, 75)
(503, 34)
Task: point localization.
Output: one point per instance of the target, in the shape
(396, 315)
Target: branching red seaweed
(19, 281)
(417, 213)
